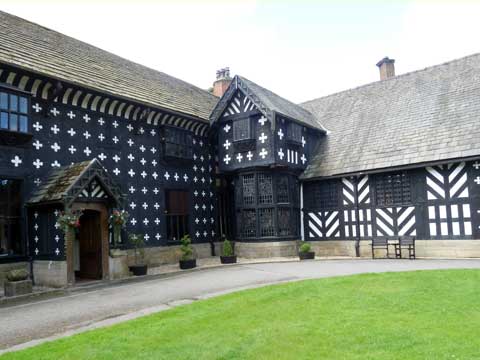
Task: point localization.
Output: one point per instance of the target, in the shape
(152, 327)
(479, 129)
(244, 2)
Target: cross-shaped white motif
(157, 221)
(213, 233)
(167, 175)
(57, 251)
(37, 126)
(204, 207)
(131, 157)
(141, 131)
(54, 111)
(72, 149)
(201, 144)
(37, 107)
(154, 162)
(227, 128)
(239, 157)
(145, 221)
(281, 154)
(153, 132)
(131, 188)
(36, 227)
(155, 175)
(262, 138)
(133, 221)
(476, 165)
(55, 129)
(130, 142)
(87, 135)
(158, 236)
(143, 161)
(195, 193)
(202, 158)
(249, 156)
(133, 205)
(71, 132)
(37, 145)
(303, 142)
(145, 206)
(185, 177)
(36, 238)
(101, 121)
(195, 179)
(195, 168)
(102, 156)
(116, 158)
(143, 173)
(101, 137)
(205, 233)
(211, 194)
(197, 220)
(115, 124)
(87, 151)
(153, 150)
(304, 159)
(194, 141)
(55, 164)
(116, 171)
(71, 115)
(263, 153)
(35, 214)
(37, 182)
(203, 180)
(196, 207)
(131, 173)
(176, 177)
(156, 206)
(36, 251)
(197, 234)
(55, 147)
(202, 169)
(57, 238)
(194, 156)
(212, 220)
(262, 120)
(86, 118)
(38, 164)
(56, 212)
(204, 221)
(115, 139)
(227, 144)
(477, 180)
(142, 148)
(57, 225)
(130, 127)
(156, 191)
(280, 134)
(144, 190)
(227, 159)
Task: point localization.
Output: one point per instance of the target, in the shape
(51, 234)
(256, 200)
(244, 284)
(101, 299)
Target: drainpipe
(357, 217)
(302, 230)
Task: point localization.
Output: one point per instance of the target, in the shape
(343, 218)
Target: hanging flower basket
(69, 220)
(118, 220)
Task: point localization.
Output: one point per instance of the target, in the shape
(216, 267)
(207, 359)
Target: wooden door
(90, 238)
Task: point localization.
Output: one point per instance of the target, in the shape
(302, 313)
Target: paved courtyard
(33, 322)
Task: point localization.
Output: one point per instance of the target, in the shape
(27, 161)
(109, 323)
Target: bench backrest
(407, 240)
(380, 241)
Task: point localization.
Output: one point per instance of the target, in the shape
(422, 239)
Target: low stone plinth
(16, 288)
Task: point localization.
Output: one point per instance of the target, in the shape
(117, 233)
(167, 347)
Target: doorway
(90, 246)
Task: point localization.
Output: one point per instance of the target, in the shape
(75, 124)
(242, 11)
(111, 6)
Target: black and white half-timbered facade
(81, 128)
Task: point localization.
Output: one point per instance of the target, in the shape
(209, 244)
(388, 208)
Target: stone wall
(266, 249)
(50, 273)
(5, 268)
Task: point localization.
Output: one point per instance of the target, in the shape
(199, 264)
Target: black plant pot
(188, 264)
(138, 270)
(307, 255)
(228, 259)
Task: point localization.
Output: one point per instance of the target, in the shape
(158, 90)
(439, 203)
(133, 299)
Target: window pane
(23, 105)
(14, 122)
(13, 102)
(266, 222)
(248, 189)
(23, 123)
(265, 189)
(241, 129)
(3, 100)
(4, 120)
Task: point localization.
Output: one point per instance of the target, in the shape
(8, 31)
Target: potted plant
(305, 251)
(140, 268)
(117, 220)
(228, 256)
(187, 261)
(17, 283)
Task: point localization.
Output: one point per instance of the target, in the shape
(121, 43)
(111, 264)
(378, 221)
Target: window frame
(186, 145)
(290, 132)
(11, 91)
(20, 218)
(381, 200)
(249, 136)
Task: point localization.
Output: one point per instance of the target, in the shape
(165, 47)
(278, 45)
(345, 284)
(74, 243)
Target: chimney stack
(222, 82)
(387, 68)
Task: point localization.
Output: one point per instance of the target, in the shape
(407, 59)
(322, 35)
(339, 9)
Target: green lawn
(411, 315)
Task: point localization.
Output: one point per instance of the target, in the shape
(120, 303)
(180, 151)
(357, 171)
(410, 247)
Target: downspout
(302, 229)
(357, 217)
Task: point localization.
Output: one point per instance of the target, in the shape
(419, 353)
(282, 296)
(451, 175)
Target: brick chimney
(387, 68)
(223, 81)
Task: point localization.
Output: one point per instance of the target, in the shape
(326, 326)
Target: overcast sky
(298, 49)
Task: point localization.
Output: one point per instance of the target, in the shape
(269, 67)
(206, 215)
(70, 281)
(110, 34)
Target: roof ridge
(391, 78)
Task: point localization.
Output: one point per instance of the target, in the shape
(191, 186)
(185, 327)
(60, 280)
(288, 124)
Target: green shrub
(186, 247)
(227, 248)
(136, 240)
(305, 247)
(17, 275)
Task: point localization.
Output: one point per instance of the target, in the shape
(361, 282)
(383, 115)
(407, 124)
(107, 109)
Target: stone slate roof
(63, 184)
(38, 49)
(282, 106)
(425, 116)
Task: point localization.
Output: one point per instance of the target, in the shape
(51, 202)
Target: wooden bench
(380, 243)
(407, 243)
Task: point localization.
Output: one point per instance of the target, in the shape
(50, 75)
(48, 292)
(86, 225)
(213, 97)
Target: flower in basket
(118, 218)
(69, 219)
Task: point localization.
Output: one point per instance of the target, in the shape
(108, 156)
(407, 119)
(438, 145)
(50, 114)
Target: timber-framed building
(81, 128)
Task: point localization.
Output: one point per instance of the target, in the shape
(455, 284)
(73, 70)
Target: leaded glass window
(294, 132)
(285, 224)
(265, 189)
(248, 227)
(392, 189)
(178, 143)
(248, 182)
(13, 112)
(266, 222)
(282, 189)
(241, 129)
(323, 195)
(10, 218)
